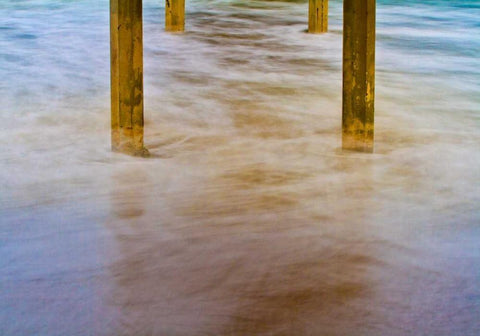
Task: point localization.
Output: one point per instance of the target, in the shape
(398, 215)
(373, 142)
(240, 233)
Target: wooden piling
(126, 52)
(318, 16)
(175, 15)
(358, 74)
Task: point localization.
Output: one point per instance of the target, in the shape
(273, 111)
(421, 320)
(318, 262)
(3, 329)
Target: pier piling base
(317, 16)
(358, 75)
(175, 15)
(126, 56)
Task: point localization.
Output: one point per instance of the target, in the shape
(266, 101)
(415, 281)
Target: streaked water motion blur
(248, 219)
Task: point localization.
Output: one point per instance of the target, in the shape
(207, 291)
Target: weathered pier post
(175, 15)
(318, 16)
(358, 74)
(126, 57)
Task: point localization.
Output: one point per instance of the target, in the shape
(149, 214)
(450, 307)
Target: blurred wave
(248, 219)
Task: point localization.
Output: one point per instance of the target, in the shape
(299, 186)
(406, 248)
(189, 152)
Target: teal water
(249, 219)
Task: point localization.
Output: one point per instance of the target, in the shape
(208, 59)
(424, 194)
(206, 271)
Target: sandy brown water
(248, 219)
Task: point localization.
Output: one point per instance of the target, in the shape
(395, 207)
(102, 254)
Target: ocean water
(248, 219)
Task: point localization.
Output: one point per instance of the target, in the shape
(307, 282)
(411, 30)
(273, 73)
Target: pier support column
(318, 16)
(126, 57)
(175, 15)
(358, 74)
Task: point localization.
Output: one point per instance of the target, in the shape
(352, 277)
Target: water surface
(249, 219)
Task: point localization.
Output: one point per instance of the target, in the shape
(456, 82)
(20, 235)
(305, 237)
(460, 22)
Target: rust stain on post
(175, 15)
(318, 16)
(126, 33)
(358, 75)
